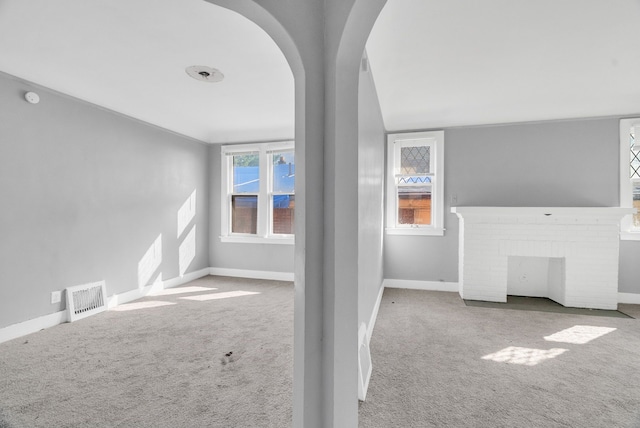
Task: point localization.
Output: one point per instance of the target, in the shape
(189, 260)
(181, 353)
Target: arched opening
(519, 95)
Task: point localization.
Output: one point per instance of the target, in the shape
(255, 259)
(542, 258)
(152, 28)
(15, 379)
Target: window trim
(265, 201)
(627, 231)
(436, 228)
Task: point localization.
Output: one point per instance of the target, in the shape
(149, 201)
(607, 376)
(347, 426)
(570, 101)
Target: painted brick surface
(588, 244)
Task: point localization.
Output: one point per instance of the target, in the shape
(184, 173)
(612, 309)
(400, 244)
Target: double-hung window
(415, 183)
(258, 182)
(630, 176)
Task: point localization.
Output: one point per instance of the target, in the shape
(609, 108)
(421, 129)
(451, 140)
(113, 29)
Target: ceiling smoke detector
(204, 73)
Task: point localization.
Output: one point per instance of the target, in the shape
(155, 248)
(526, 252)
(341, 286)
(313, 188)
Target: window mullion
(228, 194)
(263, 197)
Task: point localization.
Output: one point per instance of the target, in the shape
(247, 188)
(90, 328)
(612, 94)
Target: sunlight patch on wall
(524, 356)
(186, 213)
(187, 251)
(180, 290)
(141, 305)
(150, 262)
(579, 334)
(217, 296)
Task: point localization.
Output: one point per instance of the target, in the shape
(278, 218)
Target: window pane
(413, 180)
(244, 214)
(415, 160)
(283, 214)
(634, 157)
(284, 171)
(246, 173)
(414, 205)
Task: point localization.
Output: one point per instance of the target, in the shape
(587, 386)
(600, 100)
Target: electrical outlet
(454, 200)
(56, 296)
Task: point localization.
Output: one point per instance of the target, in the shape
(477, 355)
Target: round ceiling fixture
(204, 73)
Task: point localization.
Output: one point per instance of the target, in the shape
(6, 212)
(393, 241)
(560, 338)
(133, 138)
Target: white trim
(364, 355)
(430, 231)
(546, 214)
(255, 274)
(630, 236)
(187, 277)
(265, 192)
(630, 298)
(374, 314)
(31, 326)
(421, 285)
(244, 239)
(626, 224)
(435, 139)
(15, 331)
(131, 295)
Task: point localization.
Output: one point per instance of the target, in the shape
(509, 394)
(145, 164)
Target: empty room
(319, 213)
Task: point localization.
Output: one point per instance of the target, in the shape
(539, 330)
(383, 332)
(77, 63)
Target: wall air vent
(364, 362)
(85, 300)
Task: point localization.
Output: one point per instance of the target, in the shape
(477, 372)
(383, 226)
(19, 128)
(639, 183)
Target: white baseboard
(255, 274)
(31, 326)
(187, 277)
(630, 298)
(374, 314)
(159, 284)
(421, 285)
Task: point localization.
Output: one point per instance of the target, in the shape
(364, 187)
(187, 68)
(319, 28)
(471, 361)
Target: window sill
(419, 231)
(625, 235)
(258, 240)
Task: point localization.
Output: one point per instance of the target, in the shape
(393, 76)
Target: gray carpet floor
(223, 362)
(227, 362)
(429, 371)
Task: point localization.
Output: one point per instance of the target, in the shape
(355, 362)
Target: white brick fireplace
(581, 245)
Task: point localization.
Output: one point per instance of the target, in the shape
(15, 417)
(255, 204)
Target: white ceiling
(130, 56)
(464, 62)
(435, 63)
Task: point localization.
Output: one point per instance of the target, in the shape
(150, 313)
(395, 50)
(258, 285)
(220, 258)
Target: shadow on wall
(150, 263)
(187, 248)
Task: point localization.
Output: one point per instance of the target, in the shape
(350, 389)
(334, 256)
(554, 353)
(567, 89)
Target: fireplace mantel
(581, 243)
(615, 212)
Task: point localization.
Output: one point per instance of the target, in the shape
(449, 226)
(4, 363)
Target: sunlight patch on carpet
(217, 296)
(579, 334)
(141, 305)
(181, 290)
(524, 356)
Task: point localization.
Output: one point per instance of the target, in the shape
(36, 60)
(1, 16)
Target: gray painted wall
(560, 163)
(85, 192)
(629, 273)
(370, 197)
(231, 255)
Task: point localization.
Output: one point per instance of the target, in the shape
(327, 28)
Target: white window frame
(435, 139)
(265, 194)
(627, 230)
